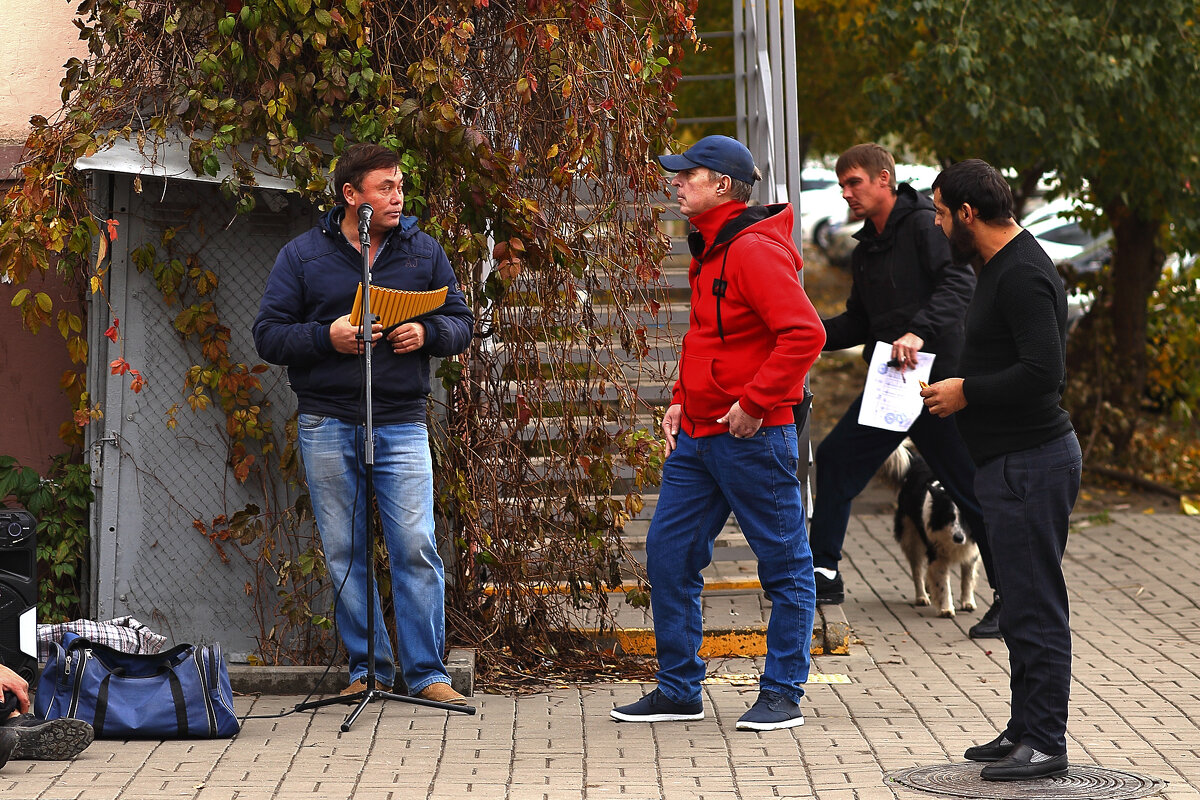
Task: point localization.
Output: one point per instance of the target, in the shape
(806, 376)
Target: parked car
(820, 199)
(1064, 239)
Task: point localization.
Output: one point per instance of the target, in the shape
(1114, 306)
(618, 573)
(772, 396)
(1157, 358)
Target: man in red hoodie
(731, 437)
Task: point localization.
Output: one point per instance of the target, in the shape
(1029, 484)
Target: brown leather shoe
(442, 693)
(360, 685)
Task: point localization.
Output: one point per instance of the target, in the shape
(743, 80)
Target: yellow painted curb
(744, 643)
(727, 643)
(719, 585)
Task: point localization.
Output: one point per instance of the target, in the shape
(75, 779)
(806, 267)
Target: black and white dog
(931, 533)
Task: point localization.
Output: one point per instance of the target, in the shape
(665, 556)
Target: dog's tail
(897, 464)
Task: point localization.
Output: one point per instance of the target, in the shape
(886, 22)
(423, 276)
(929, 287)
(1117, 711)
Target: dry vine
(527, 130)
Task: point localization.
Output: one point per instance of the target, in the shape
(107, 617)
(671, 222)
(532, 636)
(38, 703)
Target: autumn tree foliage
(1103, 95)
(527, 130)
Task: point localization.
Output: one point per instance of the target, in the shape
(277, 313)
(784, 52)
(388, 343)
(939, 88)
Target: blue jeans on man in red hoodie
(703, 480)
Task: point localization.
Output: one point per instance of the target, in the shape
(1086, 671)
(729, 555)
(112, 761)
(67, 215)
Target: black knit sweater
(1013, 361)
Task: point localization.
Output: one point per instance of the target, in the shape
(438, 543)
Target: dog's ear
(942, 511)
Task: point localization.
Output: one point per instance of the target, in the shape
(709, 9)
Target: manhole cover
(1081, 781)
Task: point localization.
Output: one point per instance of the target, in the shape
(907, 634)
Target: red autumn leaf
(112, 229)
(111, 333)
(136, 381)
(119, 366)
(523, 411)
(241, 470)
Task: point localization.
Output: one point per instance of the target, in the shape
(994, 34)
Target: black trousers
(1027, 497)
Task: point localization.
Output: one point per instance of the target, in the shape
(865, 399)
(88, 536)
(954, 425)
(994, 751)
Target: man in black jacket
(908, 291)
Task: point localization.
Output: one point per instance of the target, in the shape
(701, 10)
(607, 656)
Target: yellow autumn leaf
(95, 284)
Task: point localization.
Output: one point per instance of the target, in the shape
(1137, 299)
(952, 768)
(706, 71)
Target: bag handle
(110, 656)
(177, 700)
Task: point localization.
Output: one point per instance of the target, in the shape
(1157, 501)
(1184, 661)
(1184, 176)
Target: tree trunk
(1027, 182)
(1136, 267)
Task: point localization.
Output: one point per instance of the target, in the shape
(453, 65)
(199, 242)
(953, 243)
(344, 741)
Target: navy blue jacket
(313, 283)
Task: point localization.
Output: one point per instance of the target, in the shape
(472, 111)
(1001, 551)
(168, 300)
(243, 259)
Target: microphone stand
(371, 693)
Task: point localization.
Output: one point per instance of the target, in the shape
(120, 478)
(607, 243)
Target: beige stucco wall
(36, 39)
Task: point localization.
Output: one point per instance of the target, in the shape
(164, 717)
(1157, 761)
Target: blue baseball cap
(727, 156)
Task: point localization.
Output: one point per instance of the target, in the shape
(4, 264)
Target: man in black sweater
(909, 292)
(1007, 403)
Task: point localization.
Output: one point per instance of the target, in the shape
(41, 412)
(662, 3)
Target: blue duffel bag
(182, 693)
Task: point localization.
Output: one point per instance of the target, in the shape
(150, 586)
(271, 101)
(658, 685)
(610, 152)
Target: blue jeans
(703, 480)
(334, 463)
(1029, 495)
(850, 456)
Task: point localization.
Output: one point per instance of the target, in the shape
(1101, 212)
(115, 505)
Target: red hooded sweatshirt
(753, 333)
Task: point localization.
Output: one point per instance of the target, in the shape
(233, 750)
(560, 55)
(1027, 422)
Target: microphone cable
(370, 557)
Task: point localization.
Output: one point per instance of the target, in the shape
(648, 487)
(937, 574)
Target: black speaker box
(18, 592)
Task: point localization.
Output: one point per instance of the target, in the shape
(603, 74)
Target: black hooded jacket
(905, 282)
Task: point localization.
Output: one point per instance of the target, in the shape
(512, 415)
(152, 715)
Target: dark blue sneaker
(770, 712)
(657, 707)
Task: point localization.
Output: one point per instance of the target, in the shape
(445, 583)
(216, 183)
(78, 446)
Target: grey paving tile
(920, 692)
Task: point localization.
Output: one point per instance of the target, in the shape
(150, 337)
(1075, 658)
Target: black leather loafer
(994, 750)
(1025, 764)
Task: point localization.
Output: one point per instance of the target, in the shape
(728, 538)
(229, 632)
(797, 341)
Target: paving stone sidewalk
(918, 693)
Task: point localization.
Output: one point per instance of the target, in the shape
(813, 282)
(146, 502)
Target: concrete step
(303, 680)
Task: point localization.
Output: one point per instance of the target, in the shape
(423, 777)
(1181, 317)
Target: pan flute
(393, 307)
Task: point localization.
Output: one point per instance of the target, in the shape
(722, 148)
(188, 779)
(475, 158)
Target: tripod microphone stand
(371, 693)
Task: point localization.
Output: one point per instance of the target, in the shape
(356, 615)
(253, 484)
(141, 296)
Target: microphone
(364, 215)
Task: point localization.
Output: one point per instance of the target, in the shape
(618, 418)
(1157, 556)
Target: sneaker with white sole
(657, 707)
(771, 712)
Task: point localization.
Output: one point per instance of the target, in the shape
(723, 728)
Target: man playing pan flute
(304, 323)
